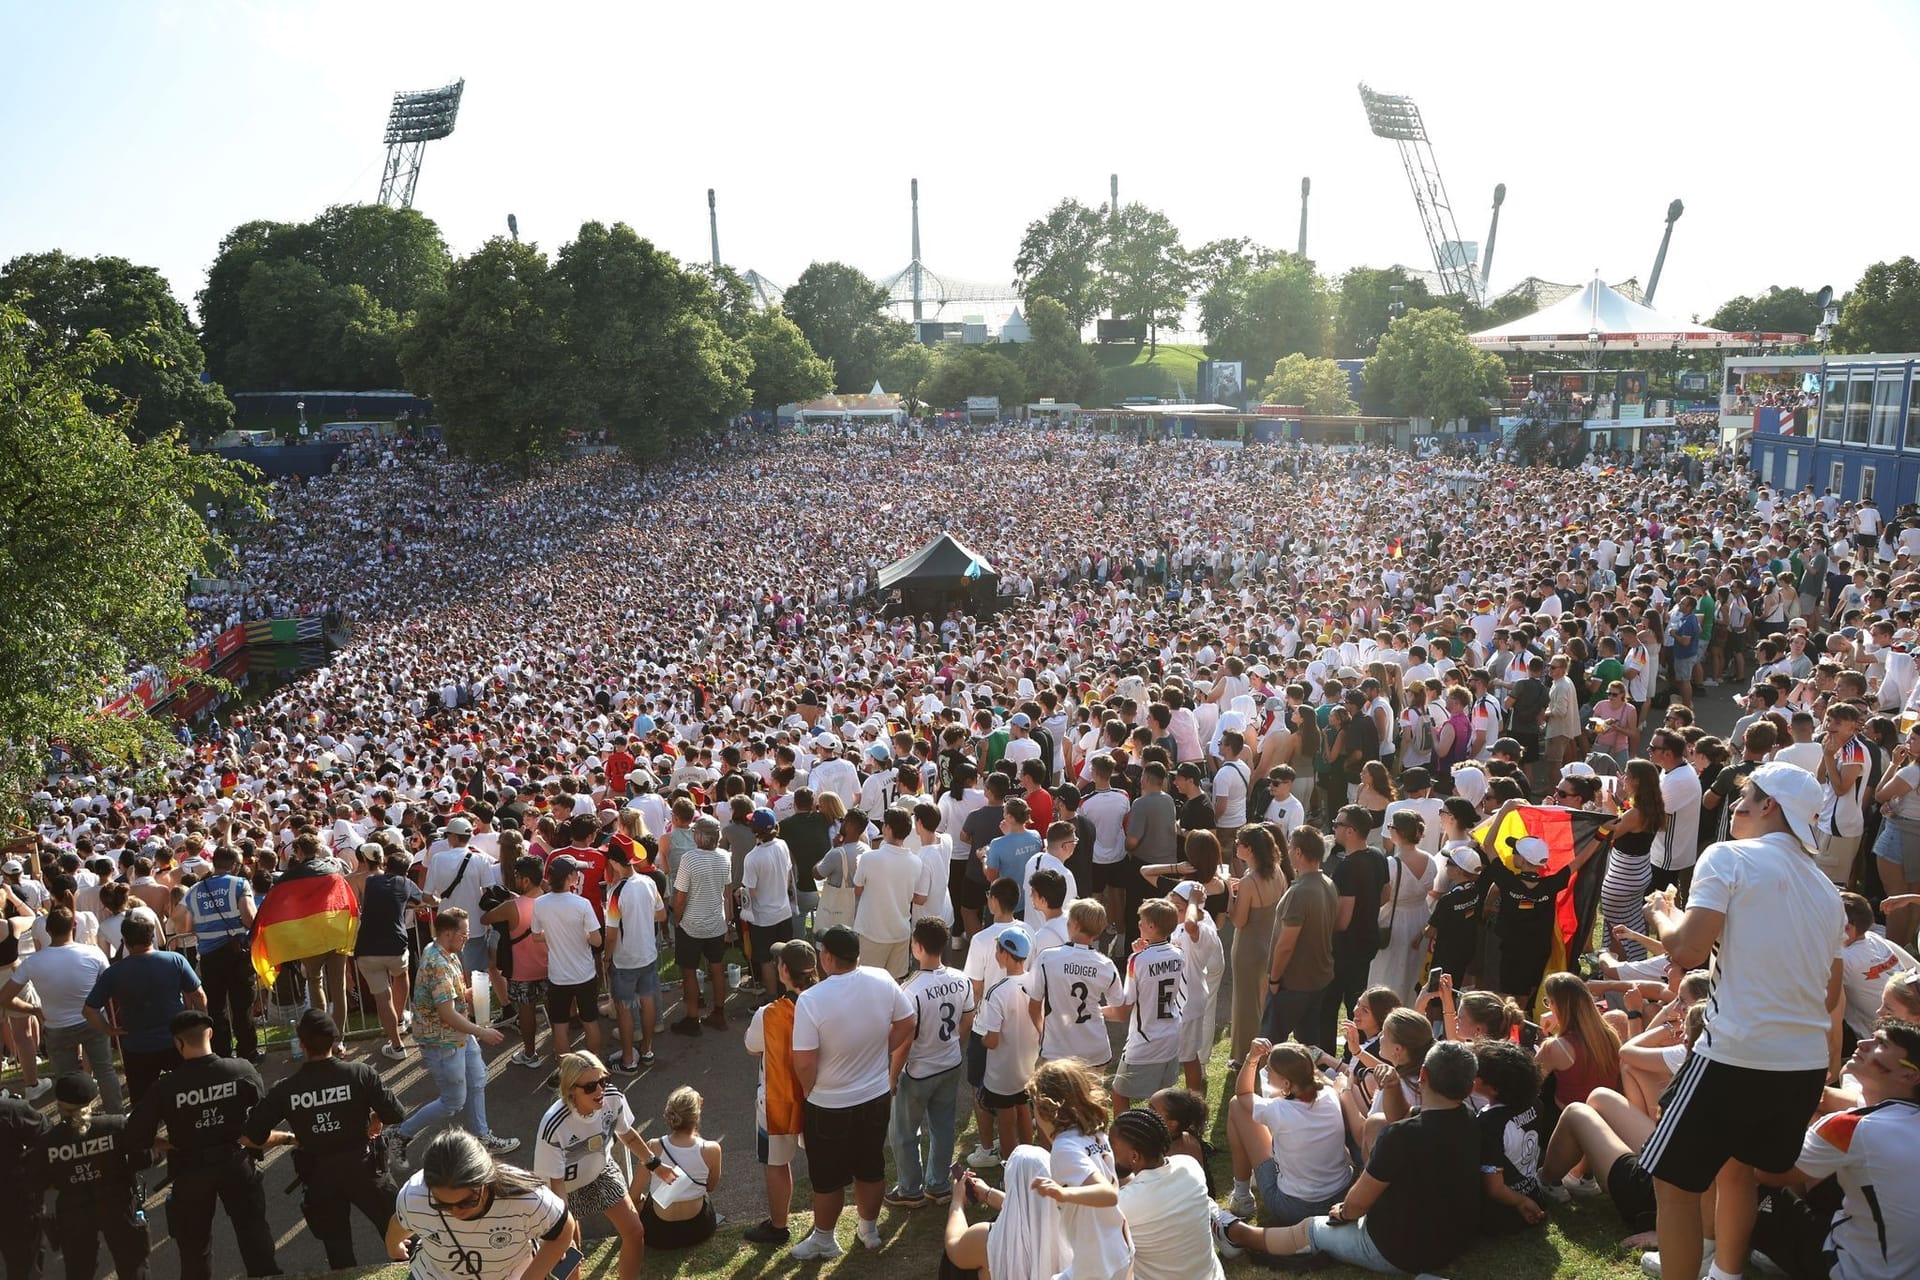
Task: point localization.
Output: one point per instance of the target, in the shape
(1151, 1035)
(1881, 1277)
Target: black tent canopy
(940, 571)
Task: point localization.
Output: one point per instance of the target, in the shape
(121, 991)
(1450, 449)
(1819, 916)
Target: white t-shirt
(1044, 861)
(62, 977)
(1098, 1237)
(1230, 794)
(765, 875)
(1309, 1143)
(888, 876)
(861, 1007)
(1004, 1009)
(631, 907)
(481, 873)
(1429, 808)
(1874, 1153)
(1286, 815)
(1156, 987)
(1865, 965)
(564, 920)
(1167, 1214)
(573, 1147)
(493, 1246)
(1107, 811)
(1073, 983)
(1783, 930)
(107, 938)
(86, 931)
(1678, 840)
(941, 999)
(935, 858)
(979, 966)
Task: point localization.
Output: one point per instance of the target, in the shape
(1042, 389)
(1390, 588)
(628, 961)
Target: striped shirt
(703, 875)
(573, 1147)
(493, 1246)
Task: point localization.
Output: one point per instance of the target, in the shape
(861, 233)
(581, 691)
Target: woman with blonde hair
(572, 1145)
(92, 1170)
(679, 1214)
(1405, 1037)
(1070, 1110)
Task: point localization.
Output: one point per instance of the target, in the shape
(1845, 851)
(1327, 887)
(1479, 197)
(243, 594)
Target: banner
(299, 918)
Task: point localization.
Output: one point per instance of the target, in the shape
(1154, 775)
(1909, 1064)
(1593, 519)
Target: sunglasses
(593, 1086)
(1564, 794)
(457, 1206)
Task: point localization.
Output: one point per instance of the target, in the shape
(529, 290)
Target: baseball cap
(763, 820)
(1532, 850)
(1191, 890)
(1021, 719)
(1015, 943)
(459, 827)
(188, 1020)
(373, 849)
(563, 863)
(1189, 770)
(75, 1089)
(1796, 792)
(12, 867)
(1464, 856)
(1415, 779)
(841, 943)
(1470, 783)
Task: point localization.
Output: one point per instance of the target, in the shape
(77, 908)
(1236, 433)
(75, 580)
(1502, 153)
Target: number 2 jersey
(941, 1000)
(1073, 983)
(1157, 990)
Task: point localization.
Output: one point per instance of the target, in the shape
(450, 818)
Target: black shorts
(765, 937)
(847, 1144)
(1712, 1113)
(1631, 1188)
(577, 1003)
(963, 888)
(1002, 1101)
(689, 951)
(976, 1060)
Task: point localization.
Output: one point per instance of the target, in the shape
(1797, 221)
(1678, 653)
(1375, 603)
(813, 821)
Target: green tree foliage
(1425, 367)
(785, 369)
(959, 372)
(370, 266)
(645, 355)
(733, 305)
(1059, 258)
(1778, 310)
(1883, 311)
(1221, 269)
(1263, 313)
(489, 350)
(843, 315)
(1317, 383)
(68, 298)
(905, 372)
(97, 533)
(1362, 307)
(1146, 275)
(1056, 363)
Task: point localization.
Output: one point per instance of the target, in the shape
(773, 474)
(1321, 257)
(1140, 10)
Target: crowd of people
(1236, 758)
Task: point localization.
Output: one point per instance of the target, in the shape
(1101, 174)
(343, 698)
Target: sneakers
(717, 1019)
(499, 1146)
(1582, 1188)
(521, 1058)
(689, 1027)
(767, 1233)
(398, 1052)
(1650, 1262)
(1555, 1193)
(1222, 1219)
(40, 1090)
(901, 1200)
(646, 1060)
(868, 1234)
(984, 1158)
(626, 1068)
(817, 1247)
(940, 1195)
(1242, 1205)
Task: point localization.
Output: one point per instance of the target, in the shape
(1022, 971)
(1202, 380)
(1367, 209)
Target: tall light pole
(1306, 187)
(1674, 211)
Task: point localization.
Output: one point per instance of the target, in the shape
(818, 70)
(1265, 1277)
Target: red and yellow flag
(306, 916)
(1566, 832)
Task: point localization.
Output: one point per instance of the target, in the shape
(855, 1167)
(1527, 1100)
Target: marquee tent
(943, 571)
(1601, 318)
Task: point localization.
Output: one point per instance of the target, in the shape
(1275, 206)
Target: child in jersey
(1513, 1137)
(927, 1070)
(1151, 1005)
(1526, 920)
(1453, 928)
(1046, 917)
(1071, 1110)
(1012, 1041)
(1199, 943)
(981, 969)
(1069, 987)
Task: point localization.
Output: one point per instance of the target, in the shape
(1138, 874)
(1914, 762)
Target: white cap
(1796, 792)
(1532, 850)
(1464, 856)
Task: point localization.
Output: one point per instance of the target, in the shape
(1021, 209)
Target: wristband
(652, 1164)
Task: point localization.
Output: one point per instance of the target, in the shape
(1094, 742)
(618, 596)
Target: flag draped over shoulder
(302, 917)
(1567, 832)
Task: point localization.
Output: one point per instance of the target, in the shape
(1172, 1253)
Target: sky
(149, 130)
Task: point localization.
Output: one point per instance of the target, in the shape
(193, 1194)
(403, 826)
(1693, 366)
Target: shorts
(378, 972)
(1282, 1209)
(578, 1002)
(847, 1144)
(1683, 669)
(1712, 1113)
(963, 888)
(1631, 1188)
(630, 986)
(1899, 843)
(689, 952)
(1836, 856)
(477, 956)
(1652, 969)
(765, 937)
(777, 1149)
(976, 1060)
(1144, 1079)
(991, 1101)
(531, 991)
(605, 1191)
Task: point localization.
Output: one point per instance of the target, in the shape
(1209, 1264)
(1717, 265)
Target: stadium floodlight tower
(1394, 116)
(416, 119)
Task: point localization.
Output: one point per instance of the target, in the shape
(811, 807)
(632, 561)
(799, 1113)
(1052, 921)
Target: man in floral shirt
(450, 1039)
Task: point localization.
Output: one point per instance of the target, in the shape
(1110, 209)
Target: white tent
(1602, 318)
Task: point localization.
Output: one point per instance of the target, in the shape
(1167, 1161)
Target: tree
(1220, 272)
(645, 355)
(1146, 274)
(1263, 314)
(1317, 383)
(1777, 310)
(843, 315)
(1364, 305)
(98, 532)
(302, 331)
(1883, 311)
(69, 298)
(1056, 363)
(905, 372)
(959, 372)
(1059, 258)
(785, 369)
(1425, 367)
(489, 350)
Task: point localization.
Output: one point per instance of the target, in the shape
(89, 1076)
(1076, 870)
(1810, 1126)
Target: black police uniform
(20, 1130)
(326, 1104)
(95, 1177)
(204, 1104)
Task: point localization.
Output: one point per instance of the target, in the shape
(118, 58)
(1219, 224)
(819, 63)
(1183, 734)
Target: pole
(1493, 234)
(1674, 211)
(713, 227)
(916, 254)
(1306, 186)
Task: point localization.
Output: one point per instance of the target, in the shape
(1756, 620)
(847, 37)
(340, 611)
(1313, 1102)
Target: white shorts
(1652, 969)
(1196, 1034)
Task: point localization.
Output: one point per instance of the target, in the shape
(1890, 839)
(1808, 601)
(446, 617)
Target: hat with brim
(1796, 792)
(1532, 850)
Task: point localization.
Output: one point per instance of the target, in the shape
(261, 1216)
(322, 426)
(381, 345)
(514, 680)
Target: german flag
(307, 916)
(1567, 832)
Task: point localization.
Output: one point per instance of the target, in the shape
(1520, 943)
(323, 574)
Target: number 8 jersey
(1072, 984)
(941, 1000)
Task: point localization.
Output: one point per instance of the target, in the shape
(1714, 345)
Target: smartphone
(568, 1264)
(1608, 783)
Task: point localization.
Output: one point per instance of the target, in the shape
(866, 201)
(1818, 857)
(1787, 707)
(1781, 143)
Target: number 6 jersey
(1157, 990)
(1072, 984)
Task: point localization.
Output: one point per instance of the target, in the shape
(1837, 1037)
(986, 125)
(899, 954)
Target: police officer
(219, 911)
(94, 1170)
(323, 1110)
(20, 1130)
(204, 1103)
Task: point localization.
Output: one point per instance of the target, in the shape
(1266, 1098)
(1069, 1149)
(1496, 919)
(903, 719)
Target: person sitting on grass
(1512, 1133)
(1164, 1202)
(1024, 1243)
(1405, 1037)
(1295, 1133)
(1070, 1110)
(1416, 1207)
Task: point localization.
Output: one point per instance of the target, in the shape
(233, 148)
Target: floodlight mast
(1395, 117)
(416, 118)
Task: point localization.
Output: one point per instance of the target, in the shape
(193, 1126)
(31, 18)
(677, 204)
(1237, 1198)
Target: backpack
(1423, 736)
(1259, 796)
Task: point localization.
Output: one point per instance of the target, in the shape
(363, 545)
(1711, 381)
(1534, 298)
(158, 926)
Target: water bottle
(293, 1038)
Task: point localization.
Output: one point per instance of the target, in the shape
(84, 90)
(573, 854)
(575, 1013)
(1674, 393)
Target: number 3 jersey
(1157, 990)
(1073, 983)
(573, 1147)
(941, 999)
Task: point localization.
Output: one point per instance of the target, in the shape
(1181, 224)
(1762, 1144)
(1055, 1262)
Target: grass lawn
(1581, 1241)
(1127, 370)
